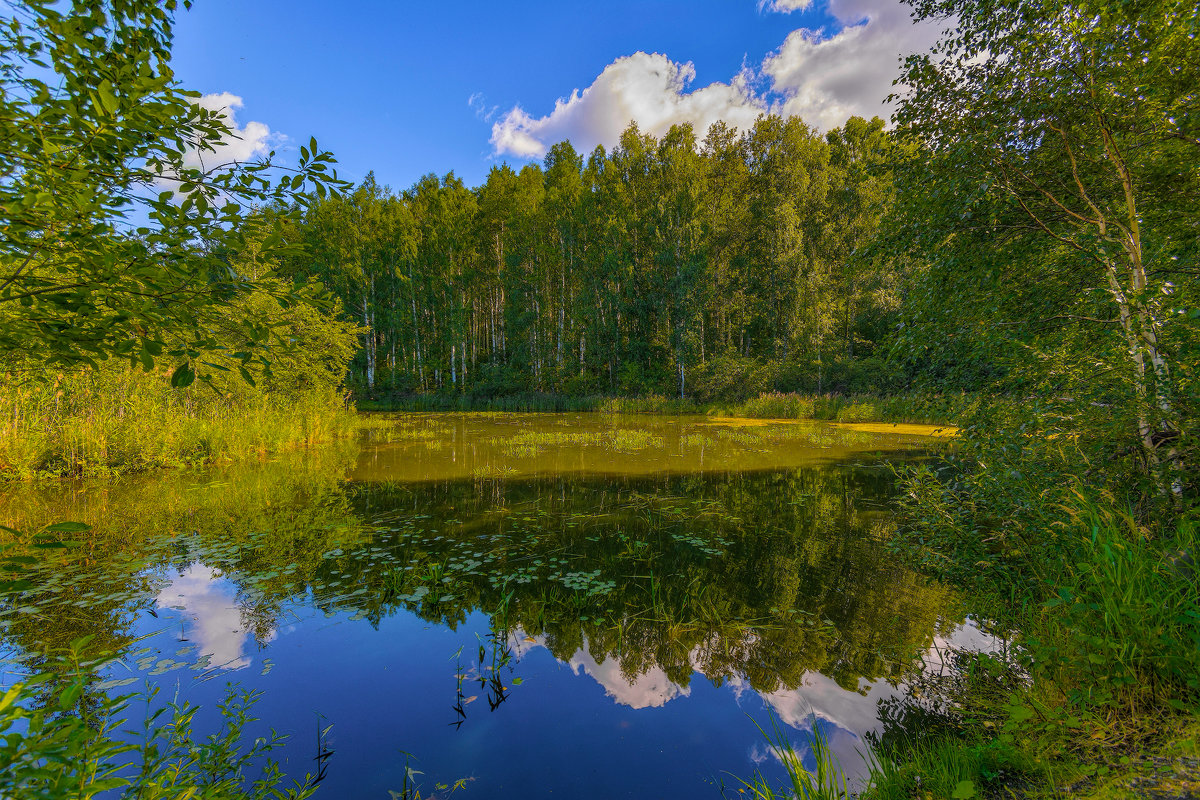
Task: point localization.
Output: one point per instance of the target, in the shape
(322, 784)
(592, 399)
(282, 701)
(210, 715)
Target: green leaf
(1020, 714)
(108, 100)
(963, 790)
(69, 695)
(183, 376)
(68, 527)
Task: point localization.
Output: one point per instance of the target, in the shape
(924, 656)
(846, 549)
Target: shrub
(778, 406)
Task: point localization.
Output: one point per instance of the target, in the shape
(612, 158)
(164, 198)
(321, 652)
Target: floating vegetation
(481, 445)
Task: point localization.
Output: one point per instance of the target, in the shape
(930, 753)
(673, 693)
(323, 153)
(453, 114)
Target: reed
(118, 420)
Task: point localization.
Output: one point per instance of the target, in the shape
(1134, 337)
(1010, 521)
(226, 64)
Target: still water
(540, 605)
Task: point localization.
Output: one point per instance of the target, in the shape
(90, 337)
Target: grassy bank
(1102, 683)
(119, 420)
(920, 408)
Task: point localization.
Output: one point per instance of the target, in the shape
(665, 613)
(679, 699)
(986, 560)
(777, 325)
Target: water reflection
(686, 597)
(650, 689)
(212, 616)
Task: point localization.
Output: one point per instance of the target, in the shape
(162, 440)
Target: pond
(541, 605)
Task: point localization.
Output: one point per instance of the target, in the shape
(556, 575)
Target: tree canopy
(711, 268)
(116, 233)
(1052, 191)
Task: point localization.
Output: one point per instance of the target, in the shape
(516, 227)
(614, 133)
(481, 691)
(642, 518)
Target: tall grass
(1122, 626)
(912, 408)
(529, 402)
(942, 767)
(119, 420)
(826, 781)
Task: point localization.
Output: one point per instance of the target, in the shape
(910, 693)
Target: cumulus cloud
(243, 142)
(825, 79)
(647, 88)
(822, 76)
(784, 6)
(652, 689)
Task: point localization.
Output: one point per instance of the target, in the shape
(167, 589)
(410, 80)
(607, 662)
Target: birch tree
(1071, 128)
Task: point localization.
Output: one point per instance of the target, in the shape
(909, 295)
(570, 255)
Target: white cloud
(483, 111)
(652, 689)
(243, 143)
(784, 6)
(821, 77)
(644, 87)
(827, 79)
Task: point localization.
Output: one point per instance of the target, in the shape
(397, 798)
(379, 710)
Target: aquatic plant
(826, 781)
(61, 739)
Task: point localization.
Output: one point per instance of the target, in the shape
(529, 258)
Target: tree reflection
(755, 577)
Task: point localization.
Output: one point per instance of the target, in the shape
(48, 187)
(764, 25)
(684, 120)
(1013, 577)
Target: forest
(706, 264)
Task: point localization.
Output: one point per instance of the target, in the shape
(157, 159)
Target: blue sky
(406, 88)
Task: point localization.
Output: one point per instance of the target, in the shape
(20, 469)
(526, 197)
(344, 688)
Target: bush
(120, 418)
(730, 378)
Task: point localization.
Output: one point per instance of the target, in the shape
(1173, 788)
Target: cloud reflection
(213, 619)
(845, 716)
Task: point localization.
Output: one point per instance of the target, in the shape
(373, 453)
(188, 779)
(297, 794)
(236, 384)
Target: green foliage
(1051, 193)
(56, 743)
(118, 419)
(664, 267)
(115, 227)
(826, 782)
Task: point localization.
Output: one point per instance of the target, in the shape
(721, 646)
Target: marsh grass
(119, 421)
(528, 402)
(917, 407)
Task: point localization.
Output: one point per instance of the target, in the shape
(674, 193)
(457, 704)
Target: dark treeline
(712, 269)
